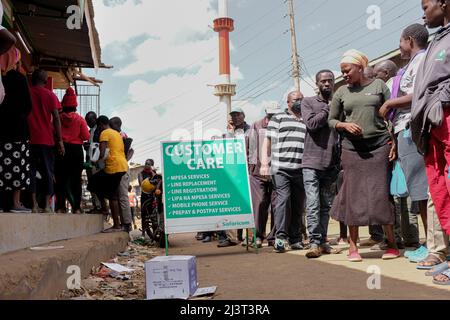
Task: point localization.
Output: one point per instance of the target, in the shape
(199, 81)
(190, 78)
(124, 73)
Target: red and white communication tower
(224, 25)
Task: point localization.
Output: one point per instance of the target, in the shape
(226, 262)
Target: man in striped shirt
(284, 142)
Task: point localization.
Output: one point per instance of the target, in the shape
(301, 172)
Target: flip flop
(444, 283)
(435, 261)
(437, 269)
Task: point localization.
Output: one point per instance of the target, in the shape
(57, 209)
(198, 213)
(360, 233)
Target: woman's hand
(384, 109)
(352, 128)
(393, 153)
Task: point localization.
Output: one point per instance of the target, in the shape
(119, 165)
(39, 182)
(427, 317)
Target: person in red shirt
(43, 123)
(68, 168)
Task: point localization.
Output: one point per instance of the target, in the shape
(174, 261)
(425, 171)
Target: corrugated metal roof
(43, 23)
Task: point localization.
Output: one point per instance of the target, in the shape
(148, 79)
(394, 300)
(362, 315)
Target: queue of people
(347, 153)
(41, 150)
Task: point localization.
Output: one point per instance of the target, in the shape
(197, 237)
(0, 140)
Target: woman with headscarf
(367, 149)
(68, 168)
(14, 133)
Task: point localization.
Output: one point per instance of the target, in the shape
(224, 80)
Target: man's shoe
(419, 251)
(280, 245)
(244, 243)
(20, 209)
(401, 245)
(199, 236)
(206, 239)
(126, 227)
(226, 243)
(415, 245)
(368, 243)
(297, 246)
(327, 249)
(258, 243)
(314, 251)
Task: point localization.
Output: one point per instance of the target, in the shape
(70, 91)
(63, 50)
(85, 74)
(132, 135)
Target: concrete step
(19, 231)
(29, 275)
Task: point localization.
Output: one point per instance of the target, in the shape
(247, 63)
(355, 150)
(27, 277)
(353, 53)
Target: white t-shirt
(403, 116)
(2, 89)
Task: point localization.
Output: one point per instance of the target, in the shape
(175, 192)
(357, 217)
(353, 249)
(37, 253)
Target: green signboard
(206, 186)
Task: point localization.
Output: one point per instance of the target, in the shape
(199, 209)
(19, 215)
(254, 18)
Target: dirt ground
(266, 275)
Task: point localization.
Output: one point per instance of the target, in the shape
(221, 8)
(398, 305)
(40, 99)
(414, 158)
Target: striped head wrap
(355, 57)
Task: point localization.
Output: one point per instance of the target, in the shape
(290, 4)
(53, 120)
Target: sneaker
(258, 243)
(206, 239)
(297, 246)
(20, 209)
(391, 254)
(415, 257)
(354, 257)
(244, 243)
(314, 251)
(226, 243)
(280, 245)
(419, 250)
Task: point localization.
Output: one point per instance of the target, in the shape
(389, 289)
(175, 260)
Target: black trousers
(68, 169)
(263, 198)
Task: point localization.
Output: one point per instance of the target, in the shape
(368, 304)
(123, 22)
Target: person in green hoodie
(430, 116)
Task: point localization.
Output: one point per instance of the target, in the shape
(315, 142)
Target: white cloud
(174, 20)
(159, 55)
(174, 102)
(177, 35)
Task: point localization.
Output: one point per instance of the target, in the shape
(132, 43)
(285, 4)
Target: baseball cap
(236, 110)
(273, 108)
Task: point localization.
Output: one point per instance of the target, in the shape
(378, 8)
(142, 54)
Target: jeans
(289, 206)
(319, 189)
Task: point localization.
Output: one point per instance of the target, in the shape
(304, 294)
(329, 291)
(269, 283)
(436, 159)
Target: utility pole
(295, 62)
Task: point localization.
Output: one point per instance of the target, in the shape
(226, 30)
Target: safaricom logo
(235, 223)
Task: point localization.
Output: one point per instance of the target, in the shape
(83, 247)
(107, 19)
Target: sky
(165, 58)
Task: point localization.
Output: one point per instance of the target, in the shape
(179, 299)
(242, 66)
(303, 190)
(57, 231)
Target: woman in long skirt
(367, 150)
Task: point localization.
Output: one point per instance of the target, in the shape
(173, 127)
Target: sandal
(429, 262)
(446, 273)
(437, 269)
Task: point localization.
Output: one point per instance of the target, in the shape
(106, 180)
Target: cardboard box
(171, 277)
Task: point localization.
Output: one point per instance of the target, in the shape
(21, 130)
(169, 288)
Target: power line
(370, 43)
(283, 70)
(362, 36)
(253, 53)
(180, 124)
(319, 42)
(309, 14)
(243, 98)
(264, 91)
(155, 145)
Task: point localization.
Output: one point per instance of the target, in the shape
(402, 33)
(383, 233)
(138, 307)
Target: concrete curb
(33, 275)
